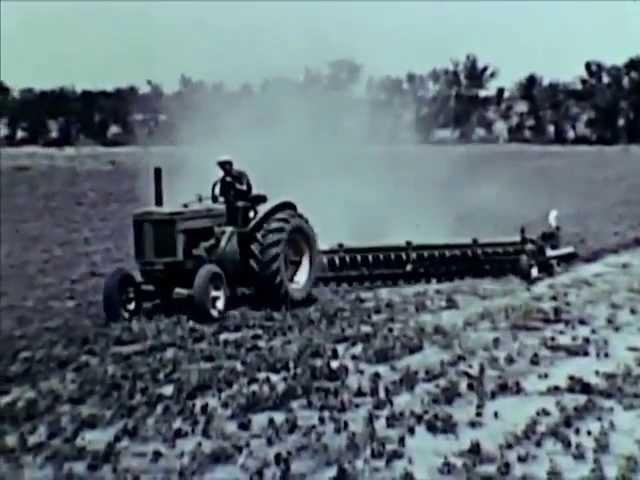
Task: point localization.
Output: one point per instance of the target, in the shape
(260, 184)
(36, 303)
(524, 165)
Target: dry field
(477, 376)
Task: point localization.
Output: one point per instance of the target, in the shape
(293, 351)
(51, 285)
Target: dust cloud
(317, 149)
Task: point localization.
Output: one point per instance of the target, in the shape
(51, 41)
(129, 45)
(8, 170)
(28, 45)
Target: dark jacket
(235, 186)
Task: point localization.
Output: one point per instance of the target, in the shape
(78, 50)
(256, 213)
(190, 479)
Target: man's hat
(225, 160)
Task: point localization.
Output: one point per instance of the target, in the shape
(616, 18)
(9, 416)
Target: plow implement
(410, 263)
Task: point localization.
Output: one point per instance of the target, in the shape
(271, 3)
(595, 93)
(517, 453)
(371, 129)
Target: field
(377, 381)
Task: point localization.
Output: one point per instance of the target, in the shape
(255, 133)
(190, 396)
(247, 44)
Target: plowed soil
(434, 381)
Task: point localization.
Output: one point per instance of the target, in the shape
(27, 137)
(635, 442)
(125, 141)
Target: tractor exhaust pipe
(157, 187)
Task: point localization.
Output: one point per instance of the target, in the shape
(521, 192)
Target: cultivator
(528, 257)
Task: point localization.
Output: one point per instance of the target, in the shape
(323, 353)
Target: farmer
(234, 184)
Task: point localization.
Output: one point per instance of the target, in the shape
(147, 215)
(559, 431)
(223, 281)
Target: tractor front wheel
(121, 296)
(285, 259)
(210, 294)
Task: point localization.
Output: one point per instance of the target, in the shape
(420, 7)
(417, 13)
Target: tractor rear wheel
(210, 294)
(121, 296)
(285, 259)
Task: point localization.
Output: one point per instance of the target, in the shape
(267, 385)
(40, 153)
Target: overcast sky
(103, 44)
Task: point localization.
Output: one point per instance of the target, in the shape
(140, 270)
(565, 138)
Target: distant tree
(433, 110)
(601, 105)
(150, 102)
(87, 114)
(218, 89)
(476, 77)
(5, 90)
(411, 80)
(457, 94)
(120, 111)
(470, 80)
(312, 80)
(343, 74)
(6, 100)
(246, 90)
(530, 90)
(631, 70)
(61, 107)
(499, 97)
(8, 111)
(555, 103)
(31, 114)
(604, 90)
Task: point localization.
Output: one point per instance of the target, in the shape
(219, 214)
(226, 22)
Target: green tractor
(211, 252)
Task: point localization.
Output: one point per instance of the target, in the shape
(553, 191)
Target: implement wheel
(528, 269)
(285, 259)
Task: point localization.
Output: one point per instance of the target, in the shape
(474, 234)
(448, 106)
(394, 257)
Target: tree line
(459, 102)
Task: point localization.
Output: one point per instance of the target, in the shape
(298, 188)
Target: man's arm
(243, 182)
(214, 197)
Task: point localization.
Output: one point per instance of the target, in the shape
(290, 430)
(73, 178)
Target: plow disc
(408, 263)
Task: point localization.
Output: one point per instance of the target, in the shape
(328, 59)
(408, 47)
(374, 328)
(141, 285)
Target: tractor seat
(257, 199)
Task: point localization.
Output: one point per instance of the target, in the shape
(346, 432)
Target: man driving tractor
(234, 184)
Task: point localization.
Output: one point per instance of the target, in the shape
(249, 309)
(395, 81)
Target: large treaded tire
(269, 254)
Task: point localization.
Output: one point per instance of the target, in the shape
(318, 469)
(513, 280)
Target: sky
(96, 44)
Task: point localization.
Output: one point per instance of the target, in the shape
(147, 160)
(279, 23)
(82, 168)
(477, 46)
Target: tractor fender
(271, 209)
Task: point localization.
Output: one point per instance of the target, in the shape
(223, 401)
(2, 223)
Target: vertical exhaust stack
(157, 187)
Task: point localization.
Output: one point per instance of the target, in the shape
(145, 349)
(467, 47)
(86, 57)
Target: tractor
(210, 252)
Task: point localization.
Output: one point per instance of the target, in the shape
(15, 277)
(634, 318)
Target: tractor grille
(138, 239)
(155, 239)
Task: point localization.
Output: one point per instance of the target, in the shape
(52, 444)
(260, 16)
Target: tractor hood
(181, 213)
